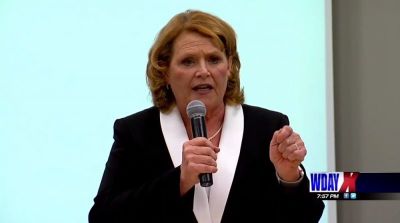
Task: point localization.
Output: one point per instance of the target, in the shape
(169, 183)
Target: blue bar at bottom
(378, 183)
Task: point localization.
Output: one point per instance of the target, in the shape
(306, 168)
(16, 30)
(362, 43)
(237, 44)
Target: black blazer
(141, 184)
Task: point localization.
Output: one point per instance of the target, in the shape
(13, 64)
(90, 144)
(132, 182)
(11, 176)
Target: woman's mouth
(202, 88)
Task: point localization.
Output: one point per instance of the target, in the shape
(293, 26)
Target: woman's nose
(203, 70)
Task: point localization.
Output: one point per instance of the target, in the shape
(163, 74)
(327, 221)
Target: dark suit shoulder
(139, 125)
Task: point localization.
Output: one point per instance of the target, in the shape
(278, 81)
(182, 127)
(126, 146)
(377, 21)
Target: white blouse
(209, 209)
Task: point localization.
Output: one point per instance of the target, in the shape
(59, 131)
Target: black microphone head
(196, 108)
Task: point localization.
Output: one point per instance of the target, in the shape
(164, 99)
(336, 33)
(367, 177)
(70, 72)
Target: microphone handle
(199, 130)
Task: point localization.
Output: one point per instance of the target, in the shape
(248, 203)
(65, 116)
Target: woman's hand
(287, 151)
(199, 155)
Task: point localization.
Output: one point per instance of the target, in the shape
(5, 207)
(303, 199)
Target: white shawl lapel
(209, 210)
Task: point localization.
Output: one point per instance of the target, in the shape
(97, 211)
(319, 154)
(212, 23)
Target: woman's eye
(214, 60)
(188, 62)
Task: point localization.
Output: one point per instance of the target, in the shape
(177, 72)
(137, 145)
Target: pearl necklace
(215, 134)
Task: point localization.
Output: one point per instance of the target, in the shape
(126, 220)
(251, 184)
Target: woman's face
(198, 70)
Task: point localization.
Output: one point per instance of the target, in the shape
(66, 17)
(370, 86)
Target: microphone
(196, 110)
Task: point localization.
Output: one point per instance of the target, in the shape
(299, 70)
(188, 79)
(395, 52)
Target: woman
(152, 174)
